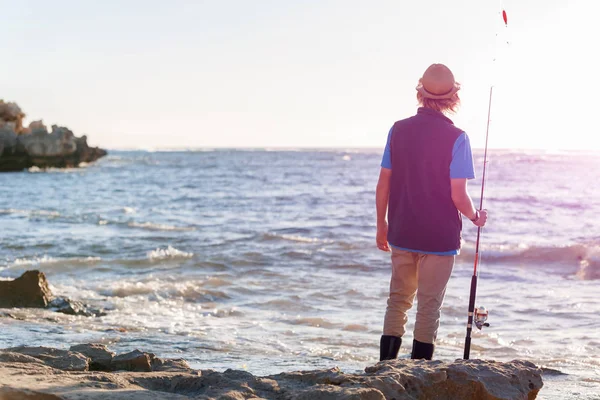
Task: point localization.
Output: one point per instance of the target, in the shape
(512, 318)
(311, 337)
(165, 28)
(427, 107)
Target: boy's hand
(483, 216)
(382, 231)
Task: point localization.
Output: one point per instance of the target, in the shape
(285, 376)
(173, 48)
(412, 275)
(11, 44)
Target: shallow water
(265, 260)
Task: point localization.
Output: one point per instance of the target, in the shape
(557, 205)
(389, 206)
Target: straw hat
(438, 83)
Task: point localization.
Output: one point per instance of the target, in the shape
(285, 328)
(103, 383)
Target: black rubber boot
(422, 350)
(389, 347)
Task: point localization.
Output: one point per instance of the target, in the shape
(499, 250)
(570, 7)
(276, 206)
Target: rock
(11, 112)
(8, 141)
(132, 361)
(55, 358)
(99, 355)
(29, 290)
(210, 384)
(22, 148)
(24, 394)
(37, 127)
(395, 379)
(399, 380)
(336, 392)
(8, 356)
(172, 365)
(462, 379)
(40, 144)
(73, 307)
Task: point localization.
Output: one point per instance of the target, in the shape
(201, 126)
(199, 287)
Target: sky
(307, 73)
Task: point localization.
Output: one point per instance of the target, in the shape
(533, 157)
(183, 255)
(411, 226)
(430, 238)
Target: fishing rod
(479, 315)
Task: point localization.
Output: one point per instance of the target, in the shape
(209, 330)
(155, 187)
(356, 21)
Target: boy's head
(438, 90)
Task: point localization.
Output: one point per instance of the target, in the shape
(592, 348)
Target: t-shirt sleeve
(386, 161)
(461, 166)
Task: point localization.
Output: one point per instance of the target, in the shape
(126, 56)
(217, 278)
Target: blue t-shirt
(461, 166)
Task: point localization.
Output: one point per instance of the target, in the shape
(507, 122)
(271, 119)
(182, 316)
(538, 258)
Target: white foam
(35, 170)
(159, 227)
(45, 213)
(168, 253)
(35, 261)
(303, 239)
(296, 238)
(45, 259)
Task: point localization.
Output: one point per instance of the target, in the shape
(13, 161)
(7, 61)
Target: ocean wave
(589, 269)
(315, 322)
(531, 200)
(30, 213)
(57, 264)
(357, 267)
(218, 281)
(356, 328)
(298, 254)
(168, 253)
(51, 260)
(159, 290)
(345, 355)
(36, 170)
(160, 227)
(294, 238)
(586, 256)
(291, 304)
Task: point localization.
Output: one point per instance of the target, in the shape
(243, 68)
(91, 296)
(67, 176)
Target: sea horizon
(339, 148)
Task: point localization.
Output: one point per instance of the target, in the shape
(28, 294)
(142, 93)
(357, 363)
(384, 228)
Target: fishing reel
(480, 316)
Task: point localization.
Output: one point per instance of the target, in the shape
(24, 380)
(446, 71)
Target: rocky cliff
(24, 147)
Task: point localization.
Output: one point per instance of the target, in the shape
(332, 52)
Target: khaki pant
(423, 275)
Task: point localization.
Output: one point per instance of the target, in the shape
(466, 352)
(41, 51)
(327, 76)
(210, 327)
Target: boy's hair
(450, 105)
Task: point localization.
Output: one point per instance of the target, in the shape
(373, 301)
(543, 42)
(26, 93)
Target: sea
(265, 260)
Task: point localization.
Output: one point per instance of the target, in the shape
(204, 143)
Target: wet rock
(99, 355)
(29, 290)
(132, 361)
(73, 307)
(55, 358)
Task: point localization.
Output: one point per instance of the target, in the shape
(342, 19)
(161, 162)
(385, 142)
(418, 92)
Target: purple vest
(421, 213)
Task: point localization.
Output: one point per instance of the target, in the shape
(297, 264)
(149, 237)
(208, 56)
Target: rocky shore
(34, 146)
(91, 371)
